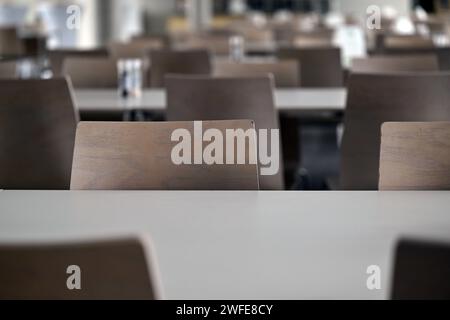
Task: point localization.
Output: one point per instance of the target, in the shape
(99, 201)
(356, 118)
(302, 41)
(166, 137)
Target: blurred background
(38, 35)
(103, 21)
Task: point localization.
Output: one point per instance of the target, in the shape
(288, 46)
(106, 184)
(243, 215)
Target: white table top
(286, 100)
(250, 245)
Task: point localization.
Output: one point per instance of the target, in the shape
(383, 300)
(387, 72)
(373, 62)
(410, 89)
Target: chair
(10, 43)
(8, 70)
(404, 45)
(415, 156)
(217, 44)
(391, 64)
(57, 57)
(37, 134)
(134, 49)
(285, 72)
(252, 34)
(91, 72)
(109, 269)
(375, 99)
(313, 39)
(421, 271)
(443, 55)
(154, 40)
(138, 156)
(192, 98)
(163, 62)
(407, 42)
(303, 39)
(319, 67)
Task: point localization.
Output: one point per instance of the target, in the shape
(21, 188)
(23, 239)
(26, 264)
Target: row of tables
(239, 245)
(154, 100)
(242, 245)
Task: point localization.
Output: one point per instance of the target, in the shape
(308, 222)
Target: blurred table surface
(242, 245)
(286, 100)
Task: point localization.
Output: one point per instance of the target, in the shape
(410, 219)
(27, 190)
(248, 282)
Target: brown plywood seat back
(415, 156)
(287, 35)
(58, 56)
(37, 134)
(8, 70)
(313, 39)
(319, 67)
(285, 72)
(375, 99)
(138, 156)
(91, 72)
(407, 42)
(109, 269)
(391, 64)
(421, 271)
(442, 54)
(217, 44)
(10, 43)
(134, 49)
(192, 98)
(154, 40)
(164, 62)
(256, 35)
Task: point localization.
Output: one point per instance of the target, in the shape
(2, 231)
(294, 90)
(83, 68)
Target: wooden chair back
(143, 156)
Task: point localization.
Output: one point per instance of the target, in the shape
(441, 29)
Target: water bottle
(237, 48)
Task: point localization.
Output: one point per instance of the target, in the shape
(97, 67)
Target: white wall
(359, 7)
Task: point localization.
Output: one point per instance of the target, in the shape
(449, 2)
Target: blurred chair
(10, 43)
(91, 72)
(415, 156)
(257, 35)
(163, 62)
(421, 271)
(407, 42)
(285, 72)
(392, 64)
(138, 156)
(134, 49)
(109, 269)
(443, 55)
(301, 39)
(154, 40)
(58, 56)
(313, 39)
(404, 44)
(252, 32)
(283, 34)
(319, 67)
(375, 99)
(217, 44)
(37, 134)
(8, 70)
(192, 98)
